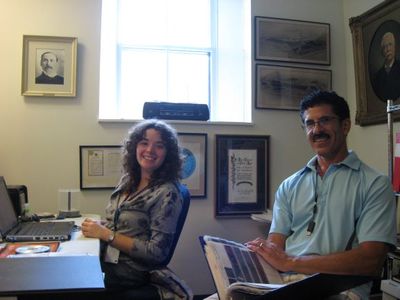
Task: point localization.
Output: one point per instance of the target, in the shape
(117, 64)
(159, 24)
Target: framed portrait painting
(241, 174)
(194, 169)
(49, 66)
(376, 47)
(282, 87)
(292, 41)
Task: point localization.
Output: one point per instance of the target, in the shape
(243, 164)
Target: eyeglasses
(323, 122)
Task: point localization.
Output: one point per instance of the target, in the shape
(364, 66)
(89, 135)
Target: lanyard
(311, 225)
(118, 211)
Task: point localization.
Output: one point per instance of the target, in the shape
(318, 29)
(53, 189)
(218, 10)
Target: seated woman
(143, 211)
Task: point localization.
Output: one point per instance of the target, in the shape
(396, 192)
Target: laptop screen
(8, 218)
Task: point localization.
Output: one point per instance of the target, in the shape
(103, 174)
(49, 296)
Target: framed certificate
(100, 166)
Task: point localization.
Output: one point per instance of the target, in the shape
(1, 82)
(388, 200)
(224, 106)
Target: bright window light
(182, 51)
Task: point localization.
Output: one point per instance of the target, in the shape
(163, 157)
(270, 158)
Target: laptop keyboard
(245, 266)
(39, 229)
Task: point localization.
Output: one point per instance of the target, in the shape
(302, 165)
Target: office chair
(181, 221)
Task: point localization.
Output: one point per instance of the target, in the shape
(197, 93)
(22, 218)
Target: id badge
(111, 255)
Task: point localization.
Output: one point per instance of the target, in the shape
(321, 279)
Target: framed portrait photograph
(242, 174)
(280, 87)
(376, 49)
(194, 169)
(49, 66)
(292, 41)
(100, 167)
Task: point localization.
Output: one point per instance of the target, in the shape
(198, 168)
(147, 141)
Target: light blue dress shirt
(351, 198)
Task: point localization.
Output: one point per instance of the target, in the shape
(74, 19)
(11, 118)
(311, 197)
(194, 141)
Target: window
(186, 51)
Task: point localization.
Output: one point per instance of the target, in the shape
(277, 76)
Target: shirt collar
(351, 161)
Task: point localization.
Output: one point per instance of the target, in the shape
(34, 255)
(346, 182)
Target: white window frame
(241, 99)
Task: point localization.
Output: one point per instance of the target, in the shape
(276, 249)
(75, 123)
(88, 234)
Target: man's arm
(366, 259)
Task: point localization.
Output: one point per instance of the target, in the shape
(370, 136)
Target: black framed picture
(100, 166)
(242, 174)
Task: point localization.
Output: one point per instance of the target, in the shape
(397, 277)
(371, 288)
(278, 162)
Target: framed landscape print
(292, 41)
(279, 87)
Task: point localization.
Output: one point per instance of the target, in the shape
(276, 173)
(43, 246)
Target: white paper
(242, 181)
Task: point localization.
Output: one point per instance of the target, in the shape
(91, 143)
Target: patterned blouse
(150, 217)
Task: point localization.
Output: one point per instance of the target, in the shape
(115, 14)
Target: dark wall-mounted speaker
(176, 111)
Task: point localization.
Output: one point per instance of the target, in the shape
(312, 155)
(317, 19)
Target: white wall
(40, 136)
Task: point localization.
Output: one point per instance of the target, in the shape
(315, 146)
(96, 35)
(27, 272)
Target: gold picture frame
(367, 32)
(49, 66)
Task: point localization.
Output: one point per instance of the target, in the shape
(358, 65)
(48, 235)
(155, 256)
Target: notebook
(12, 230)
(231, 263)
(239, 273)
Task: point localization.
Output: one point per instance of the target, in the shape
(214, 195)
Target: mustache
(320, 135)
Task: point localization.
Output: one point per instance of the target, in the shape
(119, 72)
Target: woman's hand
(94, 229)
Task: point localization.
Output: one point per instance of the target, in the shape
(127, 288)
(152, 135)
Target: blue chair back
(181, 221)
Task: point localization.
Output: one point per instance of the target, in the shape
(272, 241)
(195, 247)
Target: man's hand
(366, 259)
(272, 253)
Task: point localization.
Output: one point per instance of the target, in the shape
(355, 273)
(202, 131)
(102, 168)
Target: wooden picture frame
(283, 87)
(194, 168)
(292, 41)
(368, 30)
(100, 166)
(242, 174)
(49, 66)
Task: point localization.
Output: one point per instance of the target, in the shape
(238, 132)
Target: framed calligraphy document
(242, 174)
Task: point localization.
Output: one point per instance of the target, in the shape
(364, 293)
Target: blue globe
(189, 163)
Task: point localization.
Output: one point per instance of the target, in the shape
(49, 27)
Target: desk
(78, 243)
(75, 267)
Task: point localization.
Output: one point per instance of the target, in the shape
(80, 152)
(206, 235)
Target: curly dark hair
(318, 97)
(169, 171)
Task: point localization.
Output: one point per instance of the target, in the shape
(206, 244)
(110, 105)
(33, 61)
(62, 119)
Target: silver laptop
(12, 230)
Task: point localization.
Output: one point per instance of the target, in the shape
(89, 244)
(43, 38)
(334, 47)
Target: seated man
(336, 215)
